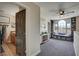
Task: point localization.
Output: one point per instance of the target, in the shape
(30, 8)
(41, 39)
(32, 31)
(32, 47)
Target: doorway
(12, 33)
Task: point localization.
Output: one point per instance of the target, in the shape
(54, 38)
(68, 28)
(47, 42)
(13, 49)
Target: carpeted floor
(57, 48)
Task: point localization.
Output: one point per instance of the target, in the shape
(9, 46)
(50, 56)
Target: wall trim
(37, 52)
(74, 49)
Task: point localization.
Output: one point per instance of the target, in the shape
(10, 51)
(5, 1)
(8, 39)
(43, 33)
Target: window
(62, 27)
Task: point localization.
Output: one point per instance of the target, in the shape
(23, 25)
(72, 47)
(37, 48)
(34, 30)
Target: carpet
(57, 48)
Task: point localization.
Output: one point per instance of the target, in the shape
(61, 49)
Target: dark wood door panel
(20, 33)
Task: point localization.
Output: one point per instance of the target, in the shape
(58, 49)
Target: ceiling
(49, 9)
(8, 8)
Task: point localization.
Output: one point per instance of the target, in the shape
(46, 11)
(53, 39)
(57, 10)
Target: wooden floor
(9, 50)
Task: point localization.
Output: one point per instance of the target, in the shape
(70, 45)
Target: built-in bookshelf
(73, 26)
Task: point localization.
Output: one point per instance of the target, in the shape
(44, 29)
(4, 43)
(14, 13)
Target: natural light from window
(62, 27)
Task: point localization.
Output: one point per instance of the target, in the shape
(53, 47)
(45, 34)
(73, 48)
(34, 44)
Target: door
(20, 33)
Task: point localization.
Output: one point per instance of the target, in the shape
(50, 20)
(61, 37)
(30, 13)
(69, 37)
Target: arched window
(62, 26)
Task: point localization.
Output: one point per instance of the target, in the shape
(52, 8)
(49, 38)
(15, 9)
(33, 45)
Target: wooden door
(20, 33)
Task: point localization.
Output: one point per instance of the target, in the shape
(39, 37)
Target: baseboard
(74, 49)
(36, 53)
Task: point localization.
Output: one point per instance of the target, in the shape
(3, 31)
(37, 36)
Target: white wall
(76, 37)
(43, 22)
(76, 43)
(32, 28)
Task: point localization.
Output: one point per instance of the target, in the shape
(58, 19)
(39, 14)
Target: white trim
(74, 50)
(36, 53)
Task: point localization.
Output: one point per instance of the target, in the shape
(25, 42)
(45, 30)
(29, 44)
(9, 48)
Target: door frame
(27, 17)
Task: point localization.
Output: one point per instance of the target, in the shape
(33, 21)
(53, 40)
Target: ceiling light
(61, 12)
